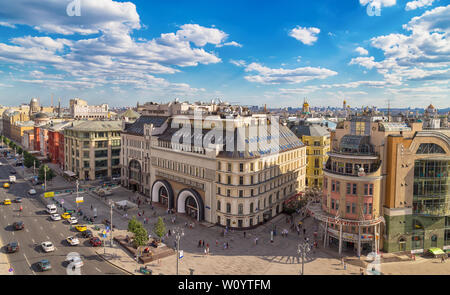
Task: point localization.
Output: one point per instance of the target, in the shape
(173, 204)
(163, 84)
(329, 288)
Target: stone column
(340, 239)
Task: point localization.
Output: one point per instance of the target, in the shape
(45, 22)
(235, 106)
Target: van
(51, 209)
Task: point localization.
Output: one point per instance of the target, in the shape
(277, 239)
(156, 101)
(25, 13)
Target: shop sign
(416, 251)
(446, 247)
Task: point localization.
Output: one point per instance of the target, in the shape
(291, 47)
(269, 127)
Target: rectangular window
(370, 208)
(332, 204)
(229, 167)
(338, 186)
(229, 179)
(333, 186)
(241, 167)
(241, 180)
(353, 208)
(349, 188)
(241, 193)
(251, 166)
(228, 193)
(347, 208)
(354, 189)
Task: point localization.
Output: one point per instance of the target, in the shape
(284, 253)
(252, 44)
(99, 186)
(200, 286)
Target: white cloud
(200, 36)
(362, 51)
(412, 5)
(291, 76)
(378, 3)
(422, 55)
(305, 35)
(50, 16)
(8, 25)
(232, 43)
(239, 63)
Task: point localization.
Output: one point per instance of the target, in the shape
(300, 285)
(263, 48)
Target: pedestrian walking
(143, 212)
(304, 231)
(199, 243)
(170, 233)
(227, 245)
(224, 245)
(205, 251)
(361, 271)
(442, 259)
(345, 266)
(185, 224)
(92, 208)
(203, 243)
(217, 243)
(244, 235)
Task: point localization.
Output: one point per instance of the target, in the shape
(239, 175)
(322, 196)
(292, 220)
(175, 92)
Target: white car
(32, 192)
(73, 220)
(73, 241)
(55, 217)
(76, 261)
(48, 246)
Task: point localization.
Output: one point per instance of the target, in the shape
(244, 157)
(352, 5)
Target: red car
(95, 242)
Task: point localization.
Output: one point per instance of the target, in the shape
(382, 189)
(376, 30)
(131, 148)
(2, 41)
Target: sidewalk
(4, 263)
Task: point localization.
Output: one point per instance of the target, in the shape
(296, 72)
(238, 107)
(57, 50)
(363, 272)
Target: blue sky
(247, 52)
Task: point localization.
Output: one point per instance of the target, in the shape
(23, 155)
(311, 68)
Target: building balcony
(374, 170)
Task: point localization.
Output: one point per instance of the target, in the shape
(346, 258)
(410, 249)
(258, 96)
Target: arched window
(430, 148)
(219, 205)
(251, 207)
(228, 208)
(240, 209)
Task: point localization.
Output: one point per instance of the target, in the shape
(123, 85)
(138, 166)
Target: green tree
(19, 151)
(133, 225)
(160, 228)
(49, 174)
(140, 236)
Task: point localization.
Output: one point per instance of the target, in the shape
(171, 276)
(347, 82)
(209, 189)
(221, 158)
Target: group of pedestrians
(201, 244)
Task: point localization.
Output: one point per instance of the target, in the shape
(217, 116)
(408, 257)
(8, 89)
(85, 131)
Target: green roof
(97, 126)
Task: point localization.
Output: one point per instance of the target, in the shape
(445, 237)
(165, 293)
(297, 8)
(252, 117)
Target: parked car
(12, 171)
(44, 265)
(65, 215)
(76, 261)
(7, 202)
(18, 200)
(73, 241)
(6, 185)
(81, 228)
(47, 246)
(95, 242)
(55, 217)
(73, 220)
(12, 247)
(87, 234)
(18, 225)
(32, 192)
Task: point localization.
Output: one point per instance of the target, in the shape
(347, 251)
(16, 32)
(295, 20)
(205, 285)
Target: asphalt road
(39, 228)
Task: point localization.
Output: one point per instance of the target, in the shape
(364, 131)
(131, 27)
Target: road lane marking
(28, 263)
(33, 241)
(48, 238)
(12, 233)
(61, 235)
(98, 269)
(41, 228)
(35, 220)
(27, 230)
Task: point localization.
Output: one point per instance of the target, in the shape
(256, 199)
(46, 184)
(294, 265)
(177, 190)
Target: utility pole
(45, 178)
(76, 201)
(34, 167)
(111, 223)
(302, 250)
(178, 234)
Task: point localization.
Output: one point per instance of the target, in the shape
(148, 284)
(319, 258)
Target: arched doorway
(162, 193)
(190, 202)
(402, 244)
(163, 196)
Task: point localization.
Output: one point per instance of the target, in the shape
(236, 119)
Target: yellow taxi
(81, 228)
(7, 202)
(65, 215)
(6, 185)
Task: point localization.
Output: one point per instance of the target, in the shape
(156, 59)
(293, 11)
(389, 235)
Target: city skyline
(121, 53)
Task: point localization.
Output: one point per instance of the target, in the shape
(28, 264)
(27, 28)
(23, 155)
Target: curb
(121, 268)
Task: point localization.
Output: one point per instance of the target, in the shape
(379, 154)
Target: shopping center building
(233, 177)
(386, 187)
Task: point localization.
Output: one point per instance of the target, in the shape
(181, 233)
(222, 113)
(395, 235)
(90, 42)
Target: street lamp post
(178, 234)
(76, 201)
(45, 178)
(111, 203)
(303, 249)
(34, 167)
